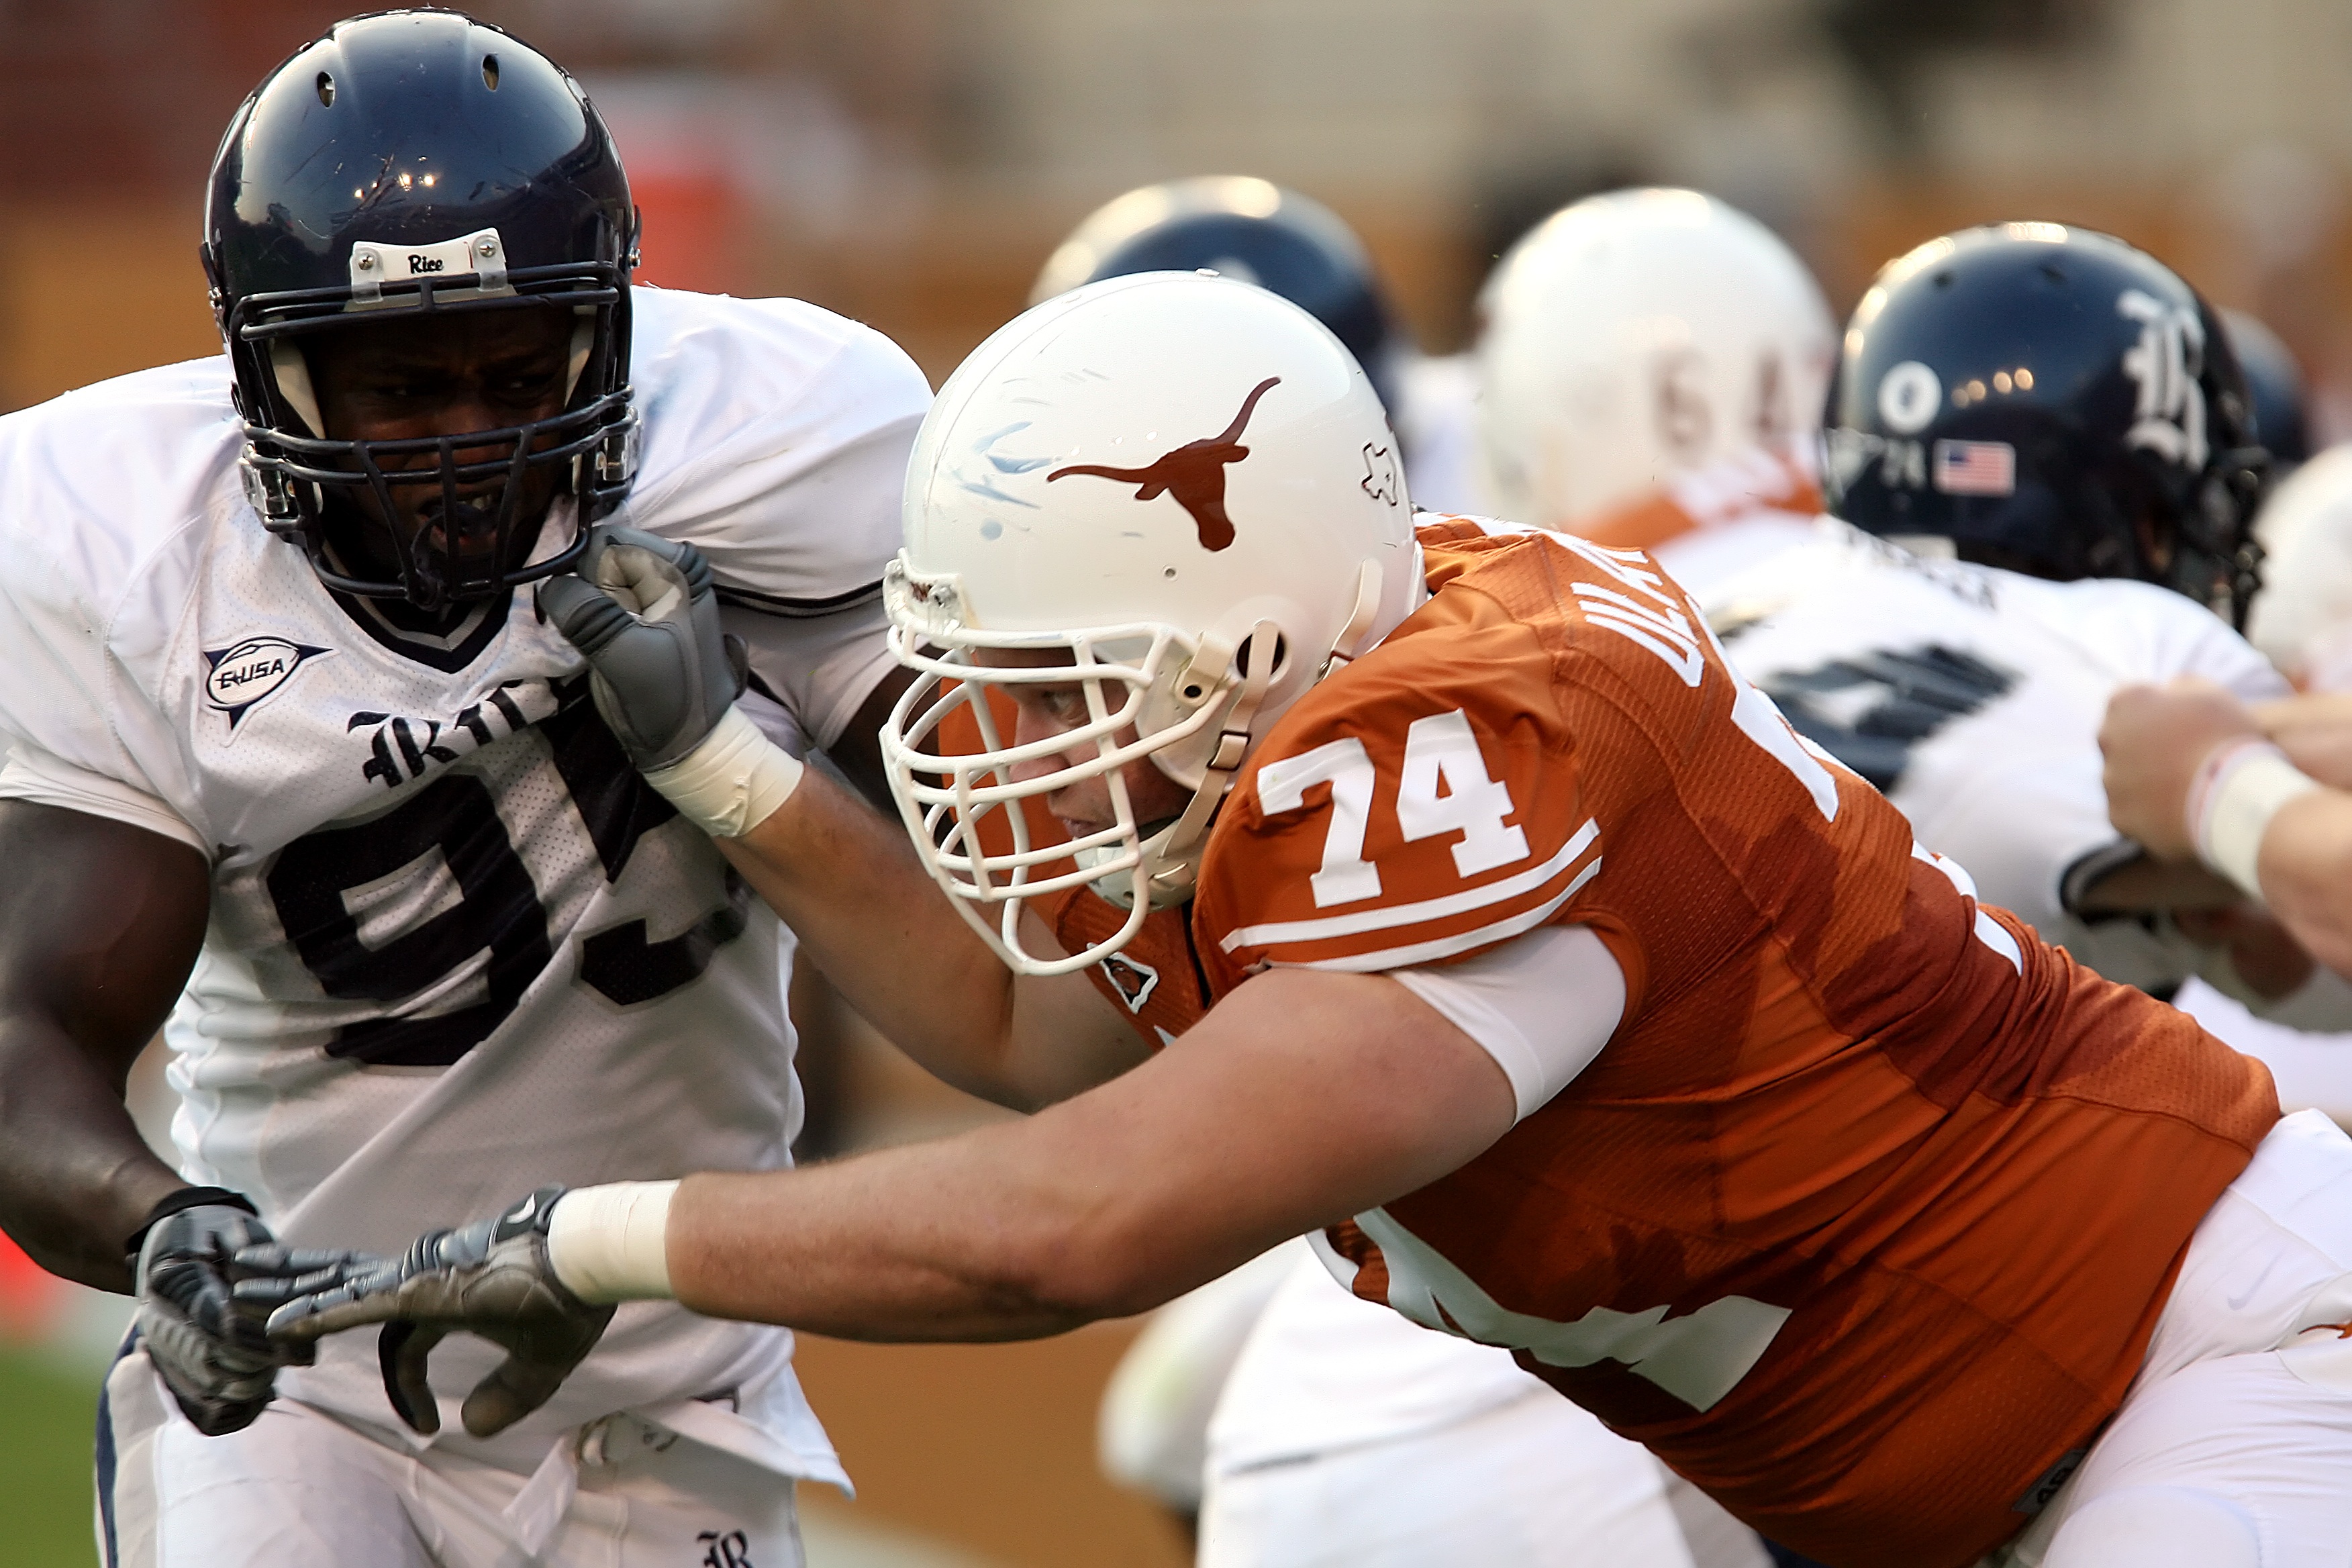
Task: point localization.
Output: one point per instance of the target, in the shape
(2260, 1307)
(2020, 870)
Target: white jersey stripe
(1447, 946)
(1327, 926)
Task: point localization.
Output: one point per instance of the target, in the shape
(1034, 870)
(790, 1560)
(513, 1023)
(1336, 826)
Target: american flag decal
(1975, 467)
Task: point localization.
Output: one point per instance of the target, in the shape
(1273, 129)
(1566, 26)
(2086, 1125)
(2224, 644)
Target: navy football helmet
(414, 163)
(2054, 400)
(2274, 382)
(1247, 228)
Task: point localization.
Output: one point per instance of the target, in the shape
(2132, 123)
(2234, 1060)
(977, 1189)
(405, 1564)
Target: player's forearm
(76, 1177)
(1102, 1207)
(922, 1243)
(2306, 868)
(847, 882)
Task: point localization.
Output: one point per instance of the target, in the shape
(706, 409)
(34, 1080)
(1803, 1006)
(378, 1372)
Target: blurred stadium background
(911, 163)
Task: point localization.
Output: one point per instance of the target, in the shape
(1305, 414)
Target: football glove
(492, 1278)
(643, 612)
(208, 1347)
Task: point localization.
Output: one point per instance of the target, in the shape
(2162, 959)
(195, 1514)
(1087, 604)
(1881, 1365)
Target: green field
(47, 1409)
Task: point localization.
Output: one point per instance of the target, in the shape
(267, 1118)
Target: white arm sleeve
(34, 775)
(1541, 1004)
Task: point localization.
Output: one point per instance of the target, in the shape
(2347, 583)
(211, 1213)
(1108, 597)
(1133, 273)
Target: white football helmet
(1634, 337)
(2302, 618)
(1181, 490)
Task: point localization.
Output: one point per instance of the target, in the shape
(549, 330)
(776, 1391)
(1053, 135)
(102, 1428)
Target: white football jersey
(1972, 698)
(456, 947)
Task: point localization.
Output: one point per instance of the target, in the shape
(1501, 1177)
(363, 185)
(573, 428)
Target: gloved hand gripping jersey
(643, 612)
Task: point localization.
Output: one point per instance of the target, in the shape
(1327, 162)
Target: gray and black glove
(209, 1348)
(492, 1279)
(644, 613)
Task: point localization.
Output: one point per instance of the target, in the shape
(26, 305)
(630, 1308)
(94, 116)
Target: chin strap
(1360, 620)
(1174, 849)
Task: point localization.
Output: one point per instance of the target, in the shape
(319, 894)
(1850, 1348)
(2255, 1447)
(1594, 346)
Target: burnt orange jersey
(1156, 979)
(1862, 1218)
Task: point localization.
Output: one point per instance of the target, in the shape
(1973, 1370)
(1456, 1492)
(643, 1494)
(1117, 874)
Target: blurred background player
(281, 713)
(2061, 414)
(1323, 1428)
(1652, 365)
(1242, 227)
(1246, 229)
(2302, 621)
(2275, 389)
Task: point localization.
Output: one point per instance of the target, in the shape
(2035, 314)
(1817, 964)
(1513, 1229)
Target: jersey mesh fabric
(1862, 1218)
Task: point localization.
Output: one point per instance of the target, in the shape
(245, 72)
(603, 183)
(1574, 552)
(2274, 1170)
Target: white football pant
(298, 1486)
(1536, 1483)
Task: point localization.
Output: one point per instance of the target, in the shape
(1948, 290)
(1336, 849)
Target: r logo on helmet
(2165, 364)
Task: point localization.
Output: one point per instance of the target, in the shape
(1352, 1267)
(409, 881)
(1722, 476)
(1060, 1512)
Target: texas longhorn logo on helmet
(1194, 473)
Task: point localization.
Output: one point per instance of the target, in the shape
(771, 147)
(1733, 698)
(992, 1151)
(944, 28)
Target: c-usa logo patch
(248, 673)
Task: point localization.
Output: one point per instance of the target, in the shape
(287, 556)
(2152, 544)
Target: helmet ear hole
(490, 72)
(1241, 658)
(326, 85)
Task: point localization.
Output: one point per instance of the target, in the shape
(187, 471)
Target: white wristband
(611, 1243)
(733, 781)
(2240, 788)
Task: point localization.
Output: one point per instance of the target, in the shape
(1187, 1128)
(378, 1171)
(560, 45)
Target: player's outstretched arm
(2193, 774)
(1300, 1100)
(845, 878)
